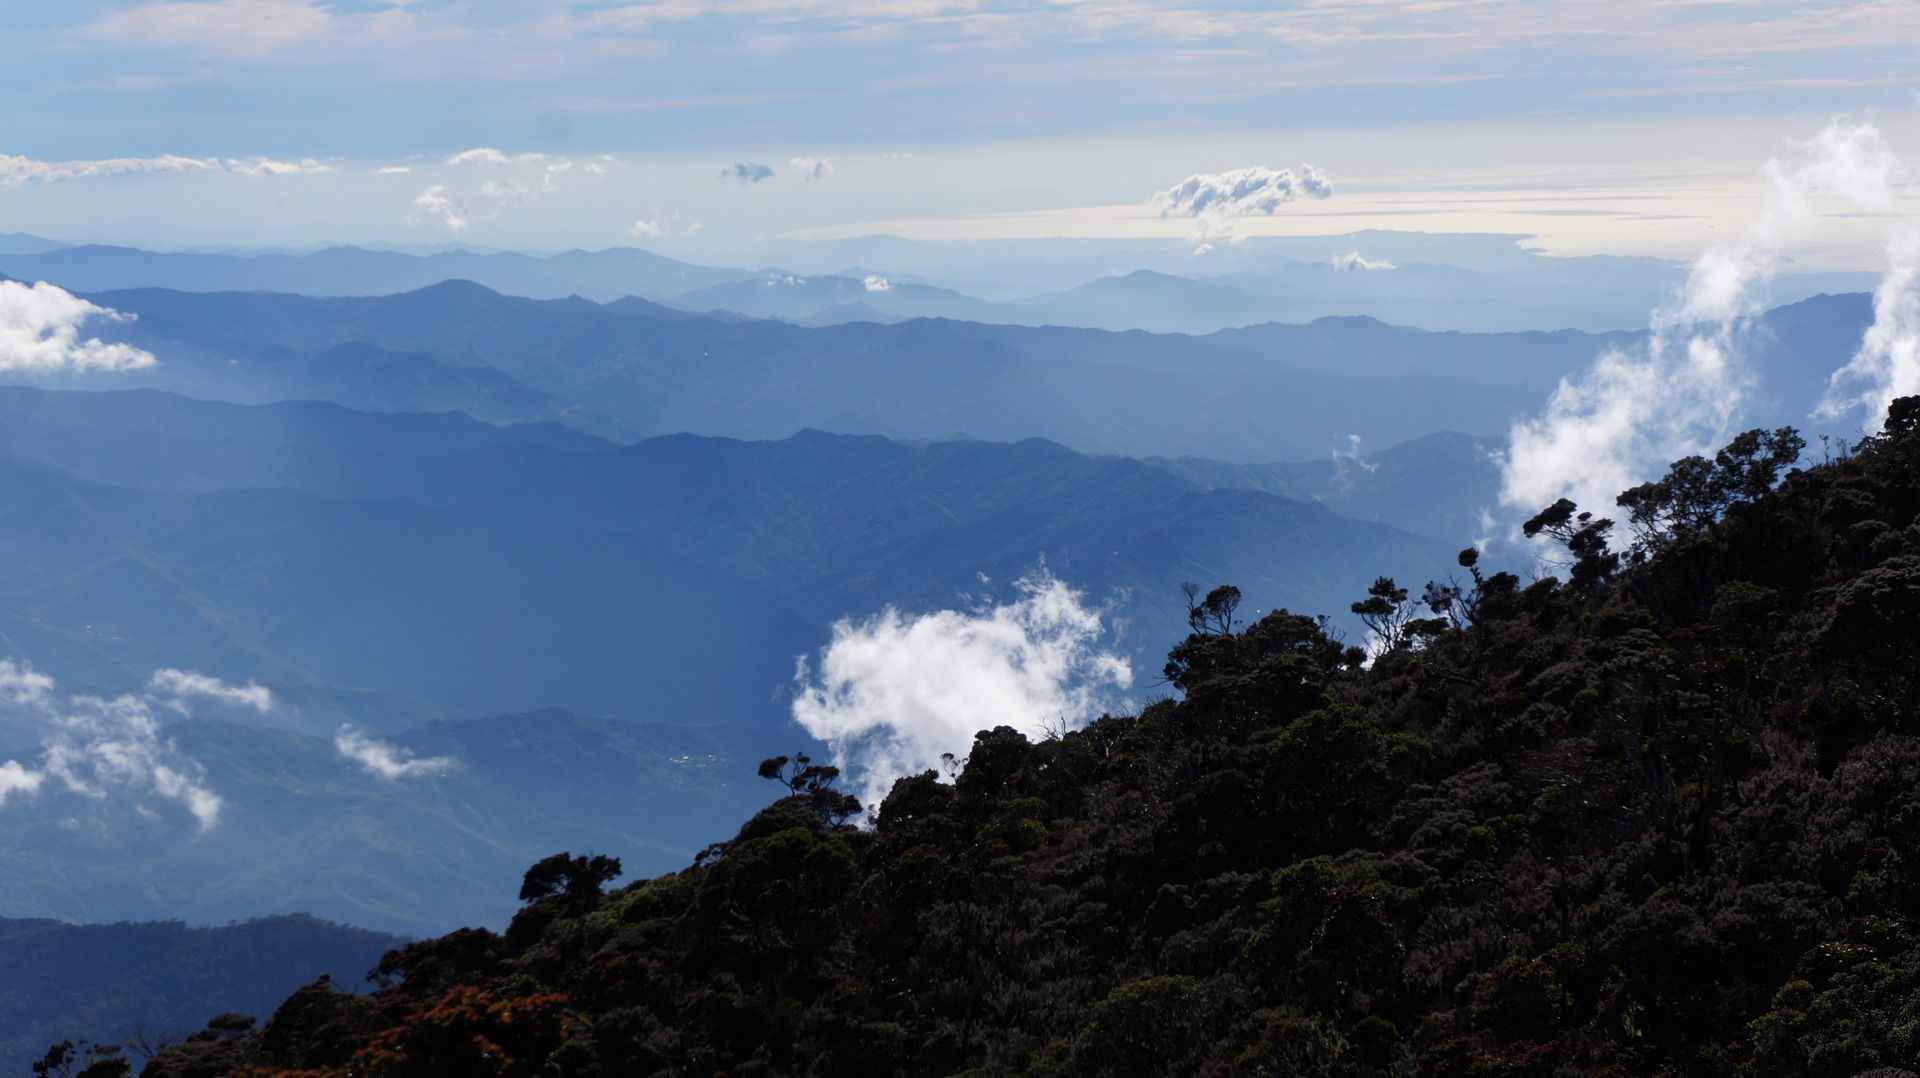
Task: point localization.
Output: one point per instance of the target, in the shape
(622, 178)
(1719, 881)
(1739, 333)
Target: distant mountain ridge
(162, 979)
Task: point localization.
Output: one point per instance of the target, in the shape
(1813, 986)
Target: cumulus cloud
(892, 692)
(489, 155)
(394, 170)
(811, 168)
(179, 686)
(40, 333)
(1241, 192)
(15, 779)
(646, 230)
(1354, 260)
(102, 747)
(876, 283)
(1887, 363)
(747, 172)
(435, 204)
(384, 759)
(267, 166)
(21, 685)
(1634, 412)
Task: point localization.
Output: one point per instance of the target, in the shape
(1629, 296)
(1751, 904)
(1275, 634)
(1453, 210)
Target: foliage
(1657, 819)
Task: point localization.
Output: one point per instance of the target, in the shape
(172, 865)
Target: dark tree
(573, 878)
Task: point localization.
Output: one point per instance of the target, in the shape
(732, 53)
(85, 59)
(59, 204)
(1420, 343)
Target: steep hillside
(1649, 819)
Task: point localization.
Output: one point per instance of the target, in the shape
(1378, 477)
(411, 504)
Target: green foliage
(1656, 820)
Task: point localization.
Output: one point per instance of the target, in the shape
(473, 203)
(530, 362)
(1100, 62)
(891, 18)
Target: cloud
(1887, 363)
(812, 168)
(747, 172)
(40, 333)
(182, 685)
(384, 759)
(20, 684)
(1241, 192)
(488, 155)
(1633, 413)
(102, 747)
(17, 171)
(1345, 460)
(238, 28)
(394, 170)
(1354, 260)
(266, 166)
(435, 204)
(892, 692)
(645, 230)
(15, 779)
(876, 283)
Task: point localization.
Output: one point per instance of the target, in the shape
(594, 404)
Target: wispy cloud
(103, 748)
(1354, 260)
(385, 760)
(1887, 363)
(892, 692)
(434, 204)
(1632, 413)
(180, 686)
(40, 333)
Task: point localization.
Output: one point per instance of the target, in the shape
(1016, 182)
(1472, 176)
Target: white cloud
(40, 332)
(645, 230)
(394, 170)
(1887, 363)
(1345, 460)
(267, 166)
(488, 155)
(15, 779)
(385, 759)
(435, 204)
(103, 747)
(1633, 413)
(182, 685)
(20, 684)
(1241, 192)
(892, 692)
(812, 168)
(17, 171)
(876, 283)
(1354, 260)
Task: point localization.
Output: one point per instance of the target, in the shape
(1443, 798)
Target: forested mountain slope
(1654, 816)
(160, 980)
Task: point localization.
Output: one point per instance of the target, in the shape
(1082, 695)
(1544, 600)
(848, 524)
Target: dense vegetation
(150, 982)
(1653, 818)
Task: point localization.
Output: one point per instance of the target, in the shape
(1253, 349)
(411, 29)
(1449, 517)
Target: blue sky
(928, 111)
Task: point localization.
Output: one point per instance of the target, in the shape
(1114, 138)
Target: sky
(713, 129)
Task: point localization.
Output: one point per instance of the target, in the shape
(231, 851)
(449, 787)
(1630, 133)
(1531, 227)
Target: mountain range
(632, 609)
